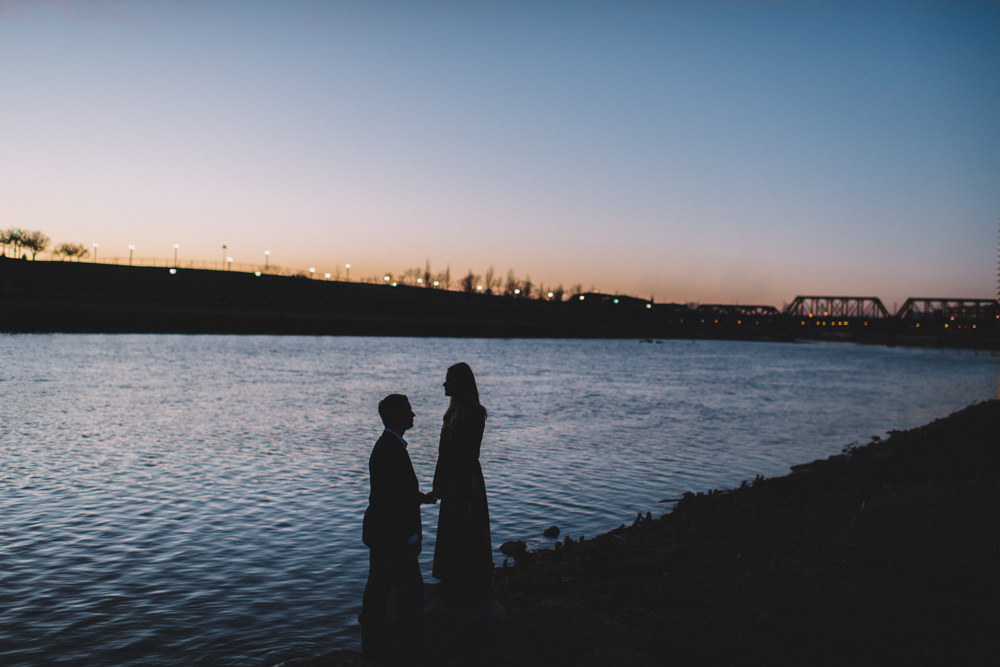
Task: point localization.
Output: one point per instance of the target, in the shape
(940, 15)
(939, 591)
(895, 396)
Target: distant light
(479, 288)
(649, 305)
(581, 297)
(229, 259)
(616, 300)
(257, 273)
(436, 283)
(327, 276)
(131, 247)
(348, 267)
(173, 271)
(387, 278)
(551, 295)
(394, 283)
(517, 291)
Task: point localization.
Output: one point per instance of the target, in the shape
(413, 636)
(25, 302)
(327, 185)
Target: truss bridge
(837, 307)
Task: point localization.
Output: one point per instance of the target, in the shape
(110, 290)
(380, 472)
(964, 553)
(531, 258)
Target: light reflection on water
(176, 499)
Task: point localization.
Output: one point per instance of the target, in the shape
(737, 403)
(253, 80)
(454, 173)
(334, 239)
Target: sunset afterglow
(712, 152)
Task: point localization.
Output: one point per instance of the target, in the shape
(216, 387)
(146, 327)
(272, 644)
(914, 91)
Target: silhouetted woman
(463, 554)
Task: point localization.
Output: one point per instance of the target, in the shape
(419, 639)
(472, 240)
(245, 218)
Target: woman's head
(460, 384)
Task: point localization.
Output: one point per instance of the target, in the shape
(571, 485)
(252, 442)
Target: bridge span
(923, 321)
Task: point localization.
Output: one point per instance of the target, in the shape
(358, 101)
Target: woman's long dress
(463, 555)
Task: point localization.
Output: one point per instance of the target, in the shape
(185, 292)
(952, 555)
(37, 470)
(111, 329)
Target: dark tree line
(22, 242)
(17, 242)
(487, 283)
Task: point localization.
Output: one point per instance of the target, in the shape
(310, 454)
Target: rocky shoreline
(885, 554)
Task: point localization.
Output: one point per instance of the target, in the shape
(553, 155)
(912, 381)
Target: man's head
(396, 412)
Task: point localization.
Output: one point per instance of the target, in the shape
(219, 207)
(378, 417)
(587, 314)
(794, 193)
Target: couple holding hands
(463, 555)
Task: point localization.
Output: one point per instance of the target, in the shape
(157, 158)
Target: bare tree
(576, 290)
(511, 284)
(445, 278)
(557, 293)
(71, 250)
(490, 280)
(34, 242)
(468, 282)
(13, 237)
(427, 273)
(526, 287)
(410, 276)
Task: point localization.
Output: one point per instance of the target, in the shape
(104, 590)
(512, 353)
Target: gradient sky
(715, 152)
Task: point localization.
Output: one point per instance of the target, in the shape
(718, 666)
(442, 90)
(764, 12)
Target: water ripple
(197, 499)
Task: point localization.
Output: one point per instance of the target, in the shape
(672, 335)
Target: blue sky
(715, 152)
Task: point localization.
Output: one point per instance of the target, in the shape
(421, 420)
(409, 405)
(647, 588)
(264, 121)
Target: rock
(551, 532)
(515, 549)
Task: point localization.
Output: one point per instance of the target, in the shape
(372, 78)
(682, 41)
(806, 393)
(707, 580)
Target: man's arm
(395, 494)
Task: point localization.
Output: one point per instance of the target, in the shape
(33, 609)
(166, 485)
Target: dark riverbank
(81, 297)
(886, 554)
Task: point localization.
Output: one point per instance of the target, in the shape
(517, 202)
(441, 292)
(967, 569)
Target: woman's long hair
(464, 392)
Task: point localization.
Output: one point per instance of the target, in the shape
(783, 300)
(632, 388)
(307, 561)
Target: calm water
(197, 499)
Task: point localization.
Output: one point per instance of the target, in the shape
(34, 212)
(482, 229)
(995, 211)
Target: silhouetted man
(392, 534)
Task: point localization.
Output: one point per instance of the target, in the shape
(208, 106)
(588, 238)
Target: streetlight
(131, 249)
(327, 276)
(267, 255)
(312, 270)
(224, 255)
(95, 253)
(230, 266)
(176, 247)
(348, 273)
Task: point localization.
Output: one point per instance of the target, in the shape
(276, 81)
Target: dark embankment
(104, 298)
(887, 554)
(84, 297)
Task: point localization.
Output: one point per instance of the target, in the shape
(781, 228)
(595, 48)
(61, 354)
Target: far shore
(885, 554)
(85, 297)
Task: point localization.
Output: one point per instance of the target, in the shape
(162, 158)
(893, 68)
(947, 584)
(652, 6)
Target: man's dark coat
(393, 514)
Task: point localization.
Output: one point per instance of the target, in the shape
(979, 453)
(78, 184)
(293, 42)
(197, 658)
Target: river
(174, 500)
